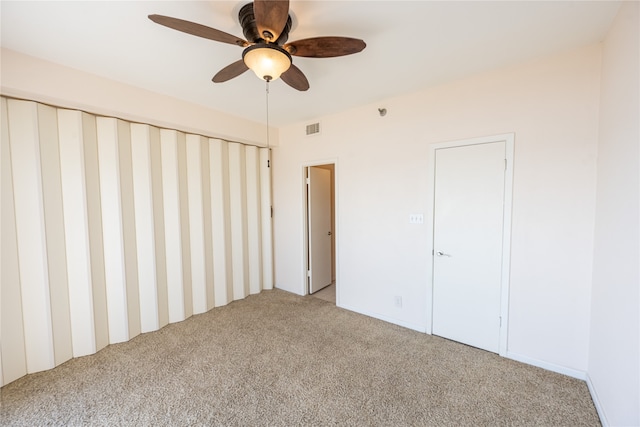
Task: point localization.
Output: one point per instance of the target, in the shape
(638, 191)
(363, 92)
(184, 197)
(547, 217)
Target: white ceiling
(410, 45)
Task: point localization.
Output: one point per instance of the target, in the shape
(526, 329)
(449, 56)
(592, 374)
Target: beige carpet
(277, 359)
(327, 294)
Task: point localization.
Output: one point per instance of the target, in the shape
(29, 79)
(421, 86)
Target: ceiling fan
(266, 25)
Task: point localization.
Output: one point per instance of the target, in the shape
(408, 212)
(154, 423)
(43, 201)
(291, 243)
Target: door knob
(440, 253)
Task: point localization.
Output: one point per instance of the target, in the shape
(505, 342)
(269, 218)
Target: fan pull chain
(268, 145)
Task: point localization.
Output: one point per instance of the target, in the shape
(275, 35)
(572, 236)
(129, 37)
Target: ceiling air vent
(313, 129)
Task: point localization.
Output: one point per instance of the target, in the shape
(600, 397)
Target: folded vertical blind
(110, 229)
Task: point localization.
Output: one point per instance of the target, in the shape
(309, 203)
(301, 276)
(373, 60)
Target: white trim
(506, 242)
(336, 232)
(508, 139)
(430, 209)
(574, 373)
(596, 401)
(304, 288)
(408, 325)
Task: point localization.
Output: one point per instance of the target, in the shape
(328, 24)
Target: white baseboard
(596, 402)
(581, 375)
(415, 327)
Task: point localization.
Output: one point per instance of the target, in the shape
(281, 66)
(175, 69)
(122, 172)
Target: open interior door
(319, 226)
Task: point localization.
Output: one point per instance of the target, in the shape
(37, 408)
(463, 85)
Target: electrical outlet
(397, 301)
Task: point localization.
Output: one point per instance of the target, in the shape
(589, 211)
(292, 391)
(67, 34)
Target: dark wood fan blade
(271, 17)
(325, 47)
(295, 78)
(197, 30)
(230, 71)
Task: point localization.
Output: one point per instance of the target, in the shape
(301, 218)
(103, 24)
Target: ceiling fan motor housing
(250, 29)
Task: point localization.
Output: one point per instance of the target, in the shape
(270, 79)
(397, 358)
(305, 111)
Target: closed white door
(468, 237)
(319, 199)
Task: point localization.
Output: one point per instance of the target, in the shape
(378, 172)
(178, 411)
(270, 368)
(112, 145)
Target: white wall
(31, 78)
(552, 106)
(614, 355)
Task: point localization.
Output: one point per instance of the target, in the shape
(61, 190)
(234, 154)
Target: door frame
(305, 227)
(509, 139)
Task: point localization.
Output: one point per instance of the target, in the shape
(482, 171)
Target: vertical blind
(110, 229)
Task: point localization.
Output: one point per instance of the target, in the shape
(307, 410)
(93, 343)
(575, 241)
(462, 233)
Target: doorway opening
(320, 231)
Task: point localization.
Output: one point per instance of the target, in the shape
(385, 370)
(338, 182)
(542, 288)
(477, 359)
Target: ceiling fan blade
(230, 71)
(325, 47)
(197, 30)
(271, 17)
(295, 78)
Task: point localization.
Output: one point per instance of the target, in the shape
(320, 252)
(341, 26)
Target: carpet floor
(327, 294)
(277, 359)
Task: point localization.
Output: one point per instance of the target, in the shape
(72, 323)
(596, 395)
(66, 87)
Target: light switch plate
(416, 219)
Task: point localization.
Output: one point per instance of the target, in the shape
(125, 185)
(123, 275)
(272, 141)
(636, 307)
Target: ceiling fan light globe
(267, 61)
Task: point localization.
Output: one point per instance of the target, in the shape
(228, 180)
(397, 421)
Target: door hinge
(500, 321)
(308, 181)
(308, 273)
(505, 164)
